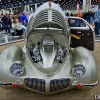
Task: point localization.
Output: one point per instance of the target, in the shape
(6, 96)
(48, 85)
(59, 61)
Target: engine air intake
(35, 84)
(59, 84)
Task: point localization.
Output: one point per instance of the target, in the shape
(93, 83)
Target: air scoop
(48, 51)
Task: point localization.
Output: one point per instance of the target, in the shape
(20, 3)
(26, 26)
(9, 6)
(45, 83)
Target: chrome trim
(5, 84)
(10, 83)
(86, 85)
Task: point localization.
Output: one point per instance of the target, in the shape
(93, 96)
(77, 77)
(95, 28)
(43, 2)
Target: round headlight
(16, 69)
(79, 70)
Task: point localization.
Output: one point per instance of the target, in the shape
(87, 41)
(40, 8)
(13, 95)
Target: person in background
(79, 15)
(4, 20)
(9, 22)
(91, 17)
(72, 23)
(0, 21)
(19, 18)
(16, 18)
(23, 19)
(27, 16)
(71, 14)
(75, 14)
(17, 27)
(12, 17)
(67, 14)
(97, 21)
(84, 15)
(88, 16)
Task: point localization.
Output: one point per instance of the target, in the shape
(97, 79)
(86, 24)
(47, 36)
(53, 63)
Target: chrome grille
(58, 18)
(41, 18)
(59, 84)
(35, 84)
(53, 18)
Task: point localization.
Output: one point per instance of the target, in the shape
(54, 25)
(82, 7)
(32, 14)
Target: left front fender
(9, 56)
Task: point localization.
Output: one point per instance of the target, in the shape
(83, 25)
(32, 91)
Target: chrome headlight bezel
(78, 70)
(16, 69)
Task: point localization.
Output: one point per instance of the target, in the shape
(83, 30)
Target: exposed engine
(61, 54)
(35, 55)
(50, 26)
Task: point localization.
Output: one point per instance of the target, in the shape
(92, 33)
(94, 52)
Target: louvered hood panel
(49, 18)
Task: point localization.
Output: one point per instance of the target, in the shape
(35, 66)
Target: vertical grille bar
(59, 84)
(49, 16)
(35, 84)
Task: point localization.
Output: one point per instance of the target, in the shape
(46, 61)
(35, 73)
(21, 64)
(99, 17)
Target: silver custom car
(55, 57)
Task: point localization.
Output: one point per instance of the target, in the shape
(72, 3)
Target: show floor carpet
(97, 38)
(22, 94)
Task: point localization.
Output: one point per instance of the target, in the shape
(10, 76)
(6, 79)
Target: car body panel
(75, 57)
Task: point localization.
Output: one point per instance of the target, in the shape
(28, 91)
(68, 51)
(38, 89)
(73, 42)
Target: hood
(48, 18)
(47, 36)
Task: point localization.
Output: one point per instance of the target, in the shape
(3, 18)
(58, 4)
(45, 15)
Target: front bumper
(54, 86)
(86, 85)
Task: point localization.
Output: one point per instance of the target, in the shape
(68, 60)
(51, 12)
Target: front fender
(8, 56)
(83, 56)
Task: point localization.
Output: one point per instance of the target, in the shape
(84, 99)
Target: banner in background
(5, 12)
(78, 7)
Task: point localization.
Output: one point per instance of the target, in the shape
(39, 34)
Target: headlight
(16, 69)
(79, 70)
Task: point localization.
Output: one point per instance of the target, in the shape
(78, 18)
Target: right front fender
(83, 56)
